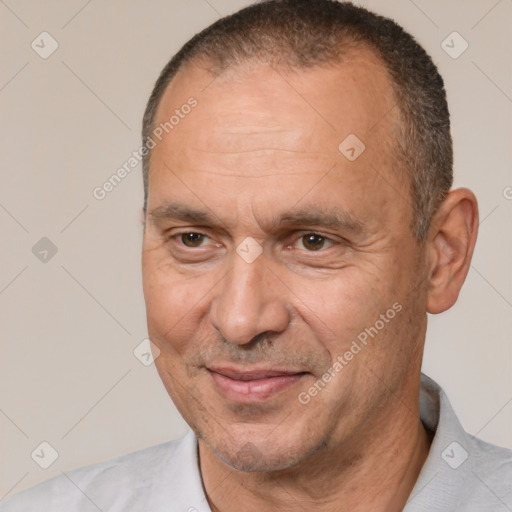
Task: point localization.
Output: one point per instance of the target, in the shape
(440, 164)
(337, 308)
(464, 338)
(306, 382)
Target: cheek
(343, 305)
(174, 304)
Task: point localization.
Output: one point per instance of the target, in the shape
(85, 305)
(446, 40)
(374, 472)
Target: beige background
(70, 325)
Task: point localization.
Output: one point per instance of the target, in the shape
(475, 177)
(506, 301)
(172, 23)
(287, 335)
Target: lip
(253, 386)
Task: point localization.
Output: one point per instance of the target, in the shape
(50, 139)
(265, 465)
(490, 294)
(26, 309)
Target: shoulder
(462, 472)
(490, 476)
(103, 486)
(491, 458)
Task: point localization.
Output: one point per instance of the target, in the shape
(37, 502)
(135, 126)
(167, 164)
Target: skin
(262, 142)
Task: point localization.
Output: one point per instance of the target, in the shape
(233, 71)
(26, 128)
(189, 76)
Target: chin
(249, 458)
(263, 453)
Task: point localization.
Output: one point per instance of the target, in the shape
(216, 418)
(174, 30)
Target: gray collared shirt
(461, 473)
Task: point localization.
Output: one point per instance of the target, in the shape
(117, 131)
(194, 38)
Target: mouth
(253, 386)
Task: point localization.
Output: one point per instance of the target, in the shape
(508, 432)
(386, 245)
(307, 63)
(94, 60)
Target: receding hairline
(350, 51)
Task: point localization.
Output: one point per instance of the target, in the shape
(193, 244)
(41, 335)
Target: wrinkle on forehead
(255, 177)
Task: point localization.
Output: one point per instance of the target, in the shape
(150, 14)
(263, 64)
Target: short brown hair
(305, 33)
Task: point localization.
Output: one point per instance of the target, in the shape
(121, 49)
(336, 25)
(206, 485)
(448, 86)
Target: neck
(375, 470)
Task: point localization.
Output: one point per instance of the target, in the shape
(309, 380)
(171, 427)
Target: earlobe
(451, 242)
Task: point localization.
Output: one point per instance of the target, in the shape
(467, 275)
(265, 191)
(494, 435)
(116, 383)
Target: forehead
(258, 121)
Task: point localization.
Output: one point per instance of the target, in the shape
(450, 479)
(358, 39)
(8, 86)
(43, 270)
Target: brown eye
(313, 242)
(192, 239)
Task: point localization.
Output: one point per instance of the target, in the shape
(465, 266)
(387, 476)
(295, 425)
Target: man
(299, 225)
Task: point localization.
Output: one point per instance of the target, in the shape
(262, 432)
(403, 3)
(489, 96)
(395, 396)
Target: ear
(451, 240)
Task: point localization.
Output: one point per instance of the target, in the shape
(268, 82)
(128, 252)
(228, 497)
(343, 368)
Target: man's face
(252, 301)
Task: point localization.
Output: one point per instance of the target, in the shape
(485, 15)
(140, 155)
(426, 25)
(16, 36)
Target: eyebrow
(307, 216)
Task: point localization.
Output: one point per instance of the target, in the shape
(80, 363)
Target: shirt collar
(444, 475)
(181, 486)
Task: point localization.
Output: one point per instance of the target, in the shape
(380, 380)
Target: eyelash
(176, 237)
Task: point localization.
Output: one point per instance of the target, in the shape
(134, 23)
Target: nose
(250, 301)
